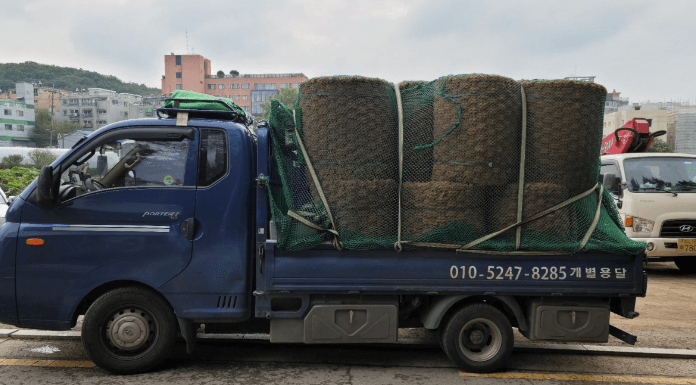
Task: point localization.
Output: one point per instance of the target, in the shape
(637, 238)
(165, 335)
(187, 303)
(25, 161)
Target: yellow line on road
(46, 363)
(583, 377)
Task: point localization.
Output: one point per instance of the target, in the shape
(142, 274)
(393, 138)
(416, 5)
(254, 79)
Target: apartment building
(249, 91)
(93, 108)
(18, 117)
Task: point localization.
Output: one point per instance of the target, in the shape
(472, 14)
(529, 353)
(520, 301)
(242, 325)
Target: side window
(126, 163)
(212, 157)
(608, 168)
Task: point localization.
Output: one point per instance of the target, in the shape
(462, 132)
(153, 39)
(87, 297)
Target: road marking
(583, 377)
(46, 363)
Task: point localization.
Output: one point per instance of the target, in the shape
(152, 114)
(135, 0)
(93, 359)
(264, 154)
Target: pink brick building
(193, 73)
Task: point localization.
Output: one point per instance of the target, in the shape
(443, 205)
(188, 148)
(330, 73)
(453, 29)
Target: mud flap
(188, 330)
(622, 335)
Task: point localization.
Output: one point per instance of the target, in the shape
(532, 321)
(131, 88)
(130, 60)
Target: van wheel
(128, 330)
(686, 265)
(478, 338)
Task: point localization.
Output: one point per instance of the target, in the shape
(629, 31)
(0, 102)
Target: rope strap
(336, 239)
(523, 155)
(537, 216)
(400, 110)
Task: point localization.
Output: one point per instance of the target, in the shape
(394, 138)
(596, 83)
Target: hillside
(66, 78)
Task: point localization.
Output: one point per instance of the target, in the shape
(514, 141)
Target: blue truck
(150, 228)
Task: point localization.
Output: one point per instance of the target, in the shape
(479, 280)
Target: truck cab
(655, 194)
(145, 209)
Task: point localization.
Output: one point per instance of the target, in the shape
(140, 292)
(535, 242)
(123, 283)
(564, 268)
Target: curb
(538, 348)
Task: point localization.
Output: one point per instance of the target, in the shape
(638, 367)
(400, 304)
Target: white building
(93, 108)
(18, 118)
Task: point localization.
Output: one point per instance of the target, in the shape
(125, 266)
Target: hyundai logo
(686, 228)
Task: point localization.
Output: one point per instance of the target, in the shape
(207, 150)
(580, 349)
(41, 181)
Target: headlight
(641, 225)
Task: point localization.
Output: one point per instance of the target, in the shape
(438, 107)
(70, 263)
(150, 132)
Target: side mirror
(612, 182)
(44, 187)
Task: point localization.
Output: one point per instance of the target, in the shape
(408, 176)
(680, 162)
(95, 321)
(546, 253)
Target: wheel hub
(128, 329)
(476, 337)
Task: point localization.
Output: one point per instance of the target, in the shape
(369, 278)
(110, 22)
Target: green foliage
(40, 158)
(286, 96)
(66, 78)
(12, 161)
(46, 131)
(16, 179)
(659, 146)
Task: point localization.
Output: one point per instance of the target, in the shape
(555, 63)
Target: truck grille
(673, 229)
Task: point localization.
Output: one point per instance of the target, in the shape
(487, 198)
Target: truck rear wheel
(478, 338)
(128, 330)
(686, 264)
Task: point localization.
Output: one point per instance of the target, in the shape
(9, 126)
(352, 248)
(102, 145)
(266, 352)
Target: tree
(287, 96)
(12, 161)
(45, 131)
(40, 158)
(659, 146)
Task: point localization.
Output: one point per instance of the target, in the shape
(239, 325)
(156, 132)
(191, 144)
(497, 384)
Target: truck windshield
(660, 174)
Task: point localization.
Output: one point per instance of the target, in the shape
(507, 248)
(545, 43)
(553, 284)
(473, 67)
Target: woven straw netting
(427, 206)
(364, 207)
(538, 197)
(417, 102)
(564, 132)
(350, 127)
(484, 147)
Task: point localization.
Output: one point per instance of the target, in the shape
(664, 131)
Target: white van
(656, 197)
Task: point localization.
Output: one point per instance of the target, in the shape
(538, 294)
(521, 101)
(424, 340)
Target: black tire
(129, 330)
(478, 338)
(686, 265)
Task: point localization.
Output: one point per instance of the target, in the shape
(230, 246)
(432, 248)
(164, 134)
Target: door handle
(188, 228)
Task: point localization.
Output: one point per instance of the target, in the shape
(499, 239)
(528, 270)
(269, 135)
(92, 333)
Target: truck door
(123, 212)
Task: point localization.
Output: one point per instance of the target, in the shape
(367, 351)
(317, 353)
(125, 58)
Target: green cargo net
(203, 104)
(465, 162)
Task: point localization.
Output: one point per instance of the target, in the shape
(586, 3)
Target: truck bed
(324, 269)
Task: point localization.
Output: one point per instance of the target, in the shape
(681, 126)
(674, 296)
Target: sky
(643, 49)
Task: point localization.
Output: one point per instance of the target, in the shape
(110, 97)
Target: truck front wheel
(686, 264)
(478, 338)
(129, 330)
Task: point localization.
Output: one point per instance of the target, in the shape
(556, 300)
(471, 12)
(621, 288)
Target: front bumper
(662, 247)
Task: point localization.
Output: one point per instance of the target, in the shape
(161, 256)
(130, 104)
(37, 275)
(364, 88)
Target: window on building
(178, 87)
(245, 108)
(8, 112)
(178, 59)
(234, 86)
(235, 97)
(20, 127)
(115, 101)
(65, 112)
(245, 85)
(296, 85)
(211, 86)
(65, 102)
(101, 122)
(20, 113)
(283, 85)
(102, 112)
(8, 127)
(178, 75)
(245, 97)
(221, 86)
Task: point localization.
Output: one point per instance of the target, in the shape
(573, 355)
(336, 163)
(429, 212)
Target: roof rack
(230, 114)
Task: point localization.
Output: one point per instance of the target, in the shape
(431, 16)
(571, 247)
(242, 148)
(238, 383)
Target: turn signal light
(35, 242)
(629, 221)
